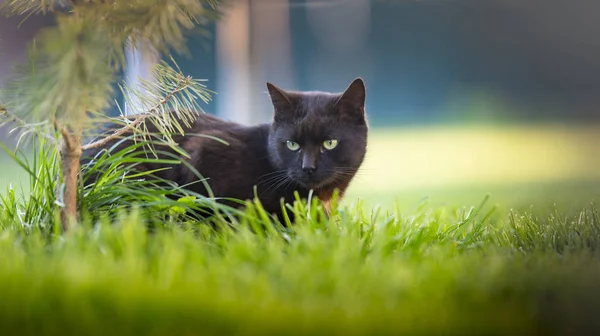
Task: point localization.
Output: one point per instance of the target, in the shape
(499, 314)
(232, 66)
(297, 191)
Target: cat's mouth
(314, 182)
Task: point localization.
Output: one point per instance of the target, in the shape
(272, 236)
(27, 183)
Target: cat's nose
(308, 170)
(309, 163)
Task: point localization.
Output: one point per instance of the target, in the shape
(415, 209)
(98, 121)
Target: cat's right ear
(351, 103)
(280, 100)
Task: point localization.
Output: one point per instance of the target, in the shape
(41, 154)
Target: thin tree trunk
(70, 153)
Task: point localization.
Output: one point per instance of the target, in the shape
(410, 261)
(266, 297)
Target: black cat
(317, 141)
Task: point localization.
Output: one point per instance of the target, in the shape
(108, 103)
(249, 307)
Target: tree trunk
(70, 153)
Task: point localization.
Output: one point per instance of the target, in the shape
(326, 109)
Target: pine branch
(160, 25)
(181, 86)
(19, 7)
(6, 117)
(118, 133)
(9, 117)
(68, 75)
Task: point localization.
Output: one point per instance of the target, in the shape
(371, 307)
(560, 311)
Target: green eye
(330, 144)
(293, 146)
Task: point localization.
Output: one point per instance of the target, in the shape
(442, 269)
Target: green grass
(434, 271)
(526, 261)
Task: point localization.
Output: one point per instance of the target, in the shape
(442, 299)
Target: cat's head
(319, 138)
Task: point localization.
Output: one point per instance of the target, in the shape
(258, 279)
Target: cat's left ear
(352, 101)
(280, 100)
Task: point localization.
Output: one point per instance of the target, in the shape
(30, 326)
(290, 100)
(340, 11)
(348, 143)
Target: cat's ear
(280, 100)
(352, 101)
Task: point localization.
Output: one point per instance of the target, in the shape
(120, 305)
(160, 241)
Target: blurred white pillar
(233, 63)
(271, 51)
(139, 66)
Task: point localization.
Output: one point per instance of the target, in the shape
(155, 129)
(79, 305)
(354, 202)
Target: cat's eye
(293, 146)
(330, 144)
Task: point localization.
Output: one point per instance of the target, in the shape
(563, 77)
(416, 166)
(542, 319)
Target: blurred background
(464, 97)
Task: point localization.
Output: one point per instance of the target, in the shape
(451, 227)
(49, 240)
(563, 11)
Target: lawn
(449, 266)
